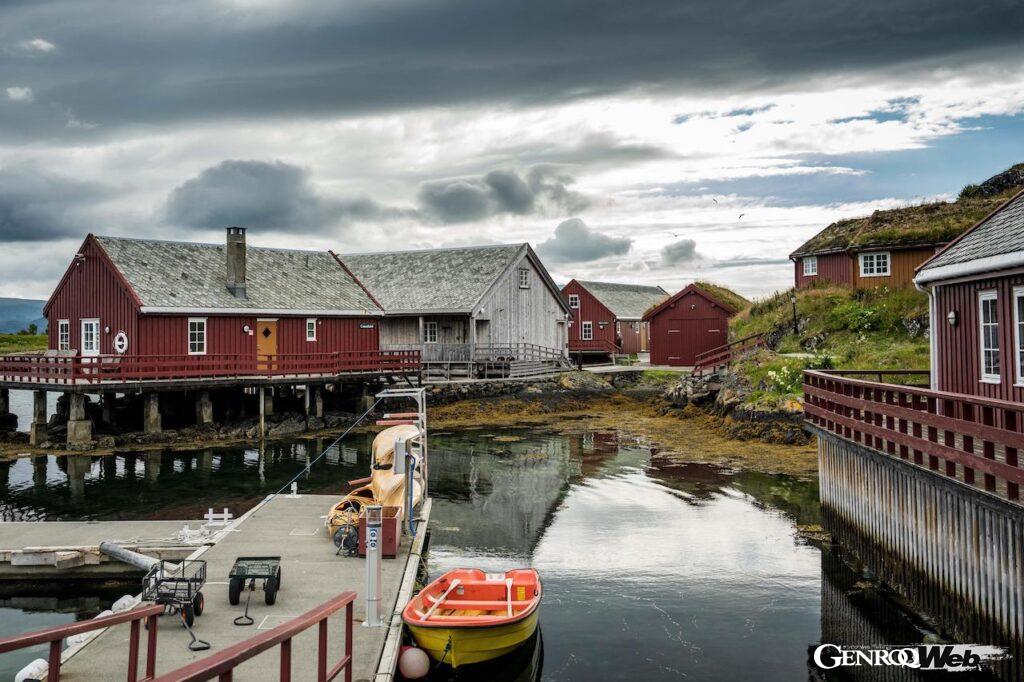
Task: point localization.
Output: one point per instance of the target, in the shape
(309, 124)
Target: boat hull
(471, 645)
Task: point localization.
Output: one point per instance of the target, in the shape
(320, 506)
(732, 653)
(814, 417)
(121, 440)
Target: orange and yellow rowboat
(467, 616)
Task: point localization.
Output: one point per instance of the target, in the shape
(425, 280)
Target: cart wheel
(270, 591)
(198, 602)
(278, 577)
(188, 615)
(234, 591)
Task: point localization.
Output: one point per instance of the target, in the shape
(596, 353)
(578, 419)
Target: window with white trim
(874, 264)
(810, 266)
(587, 331)
(90, 337)
(524, 278)
(1018, 329)
(988, 319)
(197, 336)
(430, 332)
(63, 335)
(574, 301)
(310, 329)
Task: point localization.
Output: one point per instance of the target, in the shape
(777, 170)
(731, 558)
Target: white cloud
(37, 45)
(17, 93)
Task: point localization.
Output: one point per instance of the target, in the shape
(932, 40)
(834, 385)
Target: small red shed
(687, 324)
(606, 316)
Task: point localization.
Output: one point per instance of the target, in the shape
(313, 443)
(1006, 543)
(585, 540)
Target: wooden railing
(41, 369)
(953, 434)
(593, 346)
(222, 664)
(55, 637)
(723, 355)
(499, 352)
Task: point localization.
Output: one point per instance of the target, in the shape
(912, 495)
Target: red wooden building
(689, 323)
(197, 304)
(976, 292)
(607, 317)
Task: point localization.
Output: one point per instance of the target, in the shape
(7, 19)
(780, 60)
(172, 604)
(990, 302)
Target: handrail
(56, 635)
(222, 664)
(967, 433)
(729, 345)
(723, 355)
(603, 345)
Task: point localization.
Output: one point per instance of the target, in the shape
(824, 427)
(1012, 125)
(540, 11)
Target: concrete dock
(292, 527)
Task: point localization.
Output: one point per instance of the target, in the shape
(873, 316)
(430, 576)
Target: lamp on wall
(246, 330)
(953, 318)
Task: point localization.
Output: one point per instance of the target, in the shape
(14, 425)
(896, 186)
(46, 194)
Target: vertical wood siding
(686, 327)
(833, 267)
(93, 289)
(629, 330)
(517, 315)
(591, 310)
(959, 347)
(902, 264)
(405, 331)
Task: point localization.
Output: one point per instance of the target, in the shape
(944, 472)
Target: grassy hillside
(22, 343)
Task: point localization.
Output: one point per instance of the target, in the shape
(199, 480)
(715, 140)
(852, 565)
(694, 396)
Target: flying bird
(714, 200)
(741, 215)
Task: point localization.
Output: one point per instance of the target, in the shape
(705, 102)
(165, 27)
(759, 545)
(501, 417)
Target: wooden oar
(430, 611)
(508, 595)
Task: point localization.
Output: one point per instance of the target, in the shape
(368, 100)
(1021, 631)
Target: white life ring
(121, 343)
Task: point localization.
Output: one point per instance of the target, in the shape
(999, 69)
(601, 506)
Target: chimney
(236, 261)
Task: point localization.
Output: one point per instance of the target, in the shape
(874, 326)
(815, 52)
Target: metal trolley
(178, 587)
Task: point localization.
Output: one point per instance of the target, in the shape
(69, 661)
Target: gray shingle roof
(1002, 233)
(188, 275)
(626, 301)
(432, 280)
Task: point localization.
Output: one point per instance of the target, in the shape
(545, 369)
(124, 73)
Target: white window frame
(1018, 337)
(988, 377)
(87, 351)
(188, 337)
(574, 301)
(310, 329)
(63, 334)
(875, 270)
(524, 278)
(430, 332)
(810, 266)
(586, 331)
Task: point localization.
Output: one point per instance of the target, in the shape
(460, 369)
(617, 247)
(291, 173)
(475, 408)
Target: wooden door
(266, 344)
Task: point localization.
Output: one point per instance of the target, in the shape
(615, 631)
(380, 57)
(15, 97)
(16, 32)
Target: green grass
(22, 343)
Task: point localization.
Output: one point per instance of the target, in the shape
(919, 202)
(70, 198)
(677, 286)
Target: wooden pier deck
(311, 573)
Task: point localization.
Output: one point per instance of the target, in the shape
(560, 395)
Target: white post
(263, 406)
(374, 617)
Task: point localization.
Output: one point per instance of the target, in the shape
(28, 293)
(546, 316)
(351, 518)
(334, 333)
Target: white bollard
(374, 617)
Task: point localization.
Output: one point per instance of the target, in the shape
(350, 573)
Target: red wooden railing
(118, 368)
(954, 434)
(222, 664)
(55, 636)
(593, 345)
(723, 355)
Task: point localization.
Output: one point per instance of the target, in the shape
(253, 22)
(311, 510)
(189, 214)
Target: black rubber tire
(278, 578)
(188, 615)
(198, 603)
(270, 591)
(234, 591)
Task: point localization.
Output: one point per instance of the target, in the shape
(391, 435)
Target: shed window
(574, 301)
(988, 316)
(63, 335)
(874, 264)
(1018, 330)
(524, 278)
(810, 266)
(587, 331)
(197, 336)
(311, 329)
(430, 332)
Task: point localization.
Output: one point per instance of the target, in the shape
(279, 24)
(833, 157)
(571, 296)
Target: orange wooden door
(266, 343)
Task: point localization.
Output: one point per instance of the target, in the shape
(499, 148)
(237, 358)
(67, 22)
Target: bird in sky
(741, 216)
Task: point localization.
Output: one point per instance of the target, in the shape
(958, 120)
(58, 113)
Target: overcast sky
(653, 141)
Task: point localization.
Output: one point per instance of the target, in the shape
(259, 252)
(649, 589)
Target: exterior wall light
(953, 318)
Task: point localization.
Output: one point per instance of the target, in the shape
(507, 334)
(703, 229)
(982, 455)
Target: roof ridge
(212, 245)
(513, 245)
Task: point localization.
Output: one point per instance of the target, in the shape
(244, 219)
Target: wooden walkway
(311, 573)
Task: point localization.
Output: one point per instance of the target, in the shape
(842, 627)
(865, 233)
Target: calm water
(652, 570)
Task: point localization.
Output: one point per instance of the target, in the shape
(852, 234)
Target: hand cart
(244, 574)
(177, 585)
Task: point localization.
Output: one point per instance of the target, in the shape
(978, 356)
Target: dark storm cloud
(575, 242)
(680, 252)
(121, 62)
(542, 189)
(271, 195)
(40, 206)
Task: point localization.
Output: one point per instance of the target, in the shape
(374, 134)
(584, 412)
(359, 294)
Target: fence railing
(510, 352)
(55, 637)
(957, 435)
(712, 359)
(41, 369)
(593, 346)
(222, 664)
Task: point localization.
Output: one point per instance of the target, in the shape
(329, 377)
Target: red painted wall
(590, 310)
(959, 347)
(630, 333)
(833, 267)
(686, 327)
(92, 288)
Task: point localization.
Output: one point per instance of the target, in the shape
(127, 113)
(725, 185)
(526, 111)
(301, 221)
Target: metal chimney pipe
(236, 261)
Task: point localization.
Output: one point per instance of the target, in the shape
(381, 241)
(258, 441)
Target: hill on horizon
(18, 313)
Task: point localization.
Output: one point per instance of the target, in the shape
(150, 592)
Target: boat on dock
(468, 616)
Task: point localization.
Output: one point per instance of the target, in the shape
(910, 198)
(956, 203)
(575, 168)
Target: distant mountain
(17, 313)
